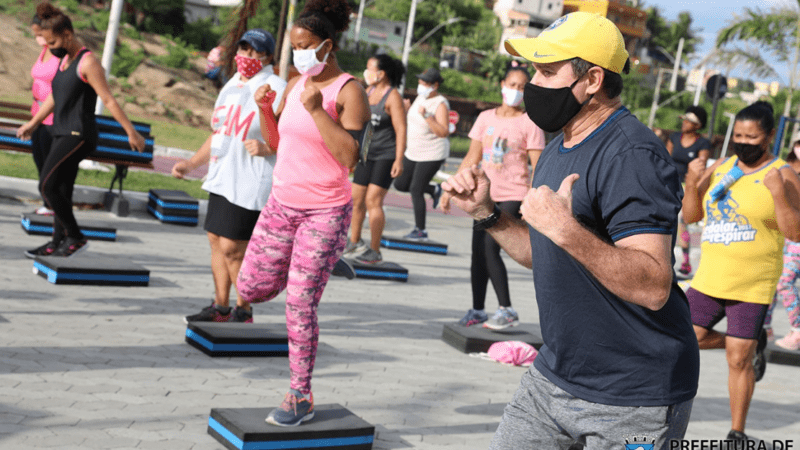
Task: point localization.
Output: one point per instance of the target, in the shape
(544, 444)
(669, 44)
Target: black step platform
(383, 270)
(333, 427)
(478, 339)
(171, 206)
(238, 339)
(43, 226)
(414, 245)
(90, 270)
(779, 355)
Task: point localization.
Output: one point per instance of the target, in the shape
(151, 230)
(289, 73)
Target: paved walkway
(107, 367)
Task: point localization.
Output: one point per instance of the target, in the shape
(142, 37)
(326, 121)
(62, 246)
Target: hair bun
(336, 11)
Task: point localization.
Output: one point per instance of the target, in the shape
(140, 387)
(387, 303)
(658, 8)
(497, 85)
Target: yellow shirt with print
(742, 248)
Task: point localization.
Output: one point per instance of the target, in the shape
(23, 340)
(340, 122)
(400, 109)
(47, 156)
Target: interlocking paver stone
(96, 367)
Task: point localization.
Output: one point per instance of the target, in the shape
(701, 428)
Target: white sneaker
(44, 211)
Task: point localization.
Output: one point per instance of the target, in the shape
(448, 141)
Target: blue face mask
(306, 61)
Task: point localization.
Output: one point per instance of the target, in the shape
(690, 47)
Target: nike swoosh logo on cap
(537, 55)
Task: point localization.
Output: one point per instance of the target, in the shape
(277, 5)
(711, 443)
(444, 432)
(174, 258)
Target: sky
(713, 15)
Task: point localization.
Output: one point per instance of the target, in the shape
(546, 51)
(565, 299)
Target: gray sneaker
(369, 256)
(502, 318)
(354, 247)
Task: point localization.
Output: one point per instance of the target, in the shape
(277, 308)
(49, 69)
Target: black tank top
(682, 156)
(384, 142)
(75, 101)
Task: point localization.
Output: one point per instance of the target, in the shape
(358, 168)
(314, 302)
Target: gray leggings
(543, 416)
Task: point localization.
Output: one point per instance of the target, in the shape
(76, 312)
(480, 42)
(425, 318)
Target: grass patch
(459, 146)
(20, 165)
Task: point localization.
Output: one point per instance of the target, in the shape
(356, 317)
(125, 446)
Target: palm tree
(776, 32)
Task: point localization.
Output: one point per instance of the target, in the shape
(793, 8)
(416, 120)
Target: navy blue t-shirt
(597, 346)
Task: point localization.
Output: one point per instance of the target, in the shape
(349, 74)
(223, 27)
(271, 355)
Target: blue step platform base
(90, 270)
(414, 245)
(332, 428)
(43, 226)
(238, 339)
(170, 206)
(478, 339)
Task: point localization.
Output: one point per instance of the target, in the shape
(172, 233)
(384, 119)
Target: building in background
(386, 34)
(525, 18)
(630, 20)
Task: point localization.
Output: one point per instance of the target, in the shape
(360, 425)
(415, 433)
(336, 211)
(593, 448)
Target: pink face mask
(248, 67)
(40, 40)
(513, 352)
(796, 151)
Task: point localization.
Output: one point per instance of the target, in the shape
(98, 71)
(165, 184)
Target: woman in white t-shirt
(239, 177)
(427, 147)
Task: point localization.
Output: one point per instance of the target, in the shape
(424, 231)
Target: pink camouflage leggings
(786, 291)
(295, 249)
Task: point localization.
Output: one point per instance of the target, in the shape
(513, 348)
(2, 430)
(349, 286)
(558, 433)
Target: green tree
(775, 31)
(667, 34)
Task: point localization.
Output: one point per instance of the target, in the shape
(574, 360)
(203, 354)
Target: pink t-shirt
(505, 142)
(43, 74)
(306, 175)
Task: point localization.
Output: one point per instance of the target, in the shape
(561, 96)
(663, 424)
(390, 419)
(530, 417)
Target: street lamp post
(407, 46)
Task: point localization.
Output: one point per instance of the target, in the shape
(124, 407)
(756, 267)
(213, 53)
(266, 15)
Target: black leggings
(488, 264)
(57, 181)
(416, 178)
(41, 141)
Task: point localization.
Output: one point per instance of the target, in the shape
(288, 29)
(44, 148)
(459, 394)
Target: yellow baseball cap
(584, 35)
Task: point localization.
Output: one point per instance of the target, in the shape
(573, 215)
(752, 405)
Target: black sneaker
(45, 250)
(241, 315)
(209, 314)
(71, 246)
(736, 436)
(760, 360)
(344, 268)
(437, 194)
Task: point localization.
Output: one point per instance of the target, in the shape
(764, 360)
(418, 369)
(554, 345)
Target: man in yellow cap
(620, 359)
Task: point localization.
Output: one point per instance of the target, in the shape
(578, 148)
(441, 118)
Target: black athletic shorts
(378, 173)
(228, 220)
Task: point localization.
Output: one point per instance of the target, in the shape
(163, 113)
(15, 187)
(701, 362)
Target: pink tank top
(306, 175)
(43, 74)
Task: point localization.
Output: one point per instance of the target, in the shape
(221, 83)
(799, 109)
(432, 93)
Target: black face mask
(551, 109)
(59, 52)
(747, 153)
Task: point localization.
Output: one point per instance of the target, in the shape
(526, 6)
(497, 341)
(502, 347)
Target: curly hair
(393, 67)
(325, 18)
(51, 18)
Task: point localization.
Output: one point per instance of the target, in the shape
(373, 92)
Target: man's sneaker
(71, 246)
(44, 211)
(759, 360)
(473, 317)
(790, 342)
(293, 411)
(502, 318)
(416, 234)
(354, 247)
(45, 250)
(343, 268)
(686, 269)
(437, 194)
(369, 256)
(209, 314)
(241, 315)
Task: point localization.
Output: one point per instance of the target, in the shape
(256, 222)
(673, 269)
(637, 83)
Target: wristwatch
(488, 222)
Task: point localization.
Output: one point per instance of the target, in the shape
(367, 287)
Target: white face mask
(424, 91)
(796, 152)
(511, 97)
(306, 61)
(369, 79)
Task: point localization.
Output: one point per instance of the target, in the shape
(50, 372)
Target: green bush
(466, 85)
(99, 20)
(125, 61)
(177, 57)
(130, 32)
(202, 34)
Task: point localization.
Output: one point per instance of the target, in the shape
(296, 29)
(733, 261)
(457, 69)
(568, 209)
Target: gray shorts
(543, 416)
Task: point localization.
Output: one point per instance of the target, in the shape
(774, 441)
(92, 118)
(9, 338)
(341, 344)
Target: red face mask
(248, 67)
